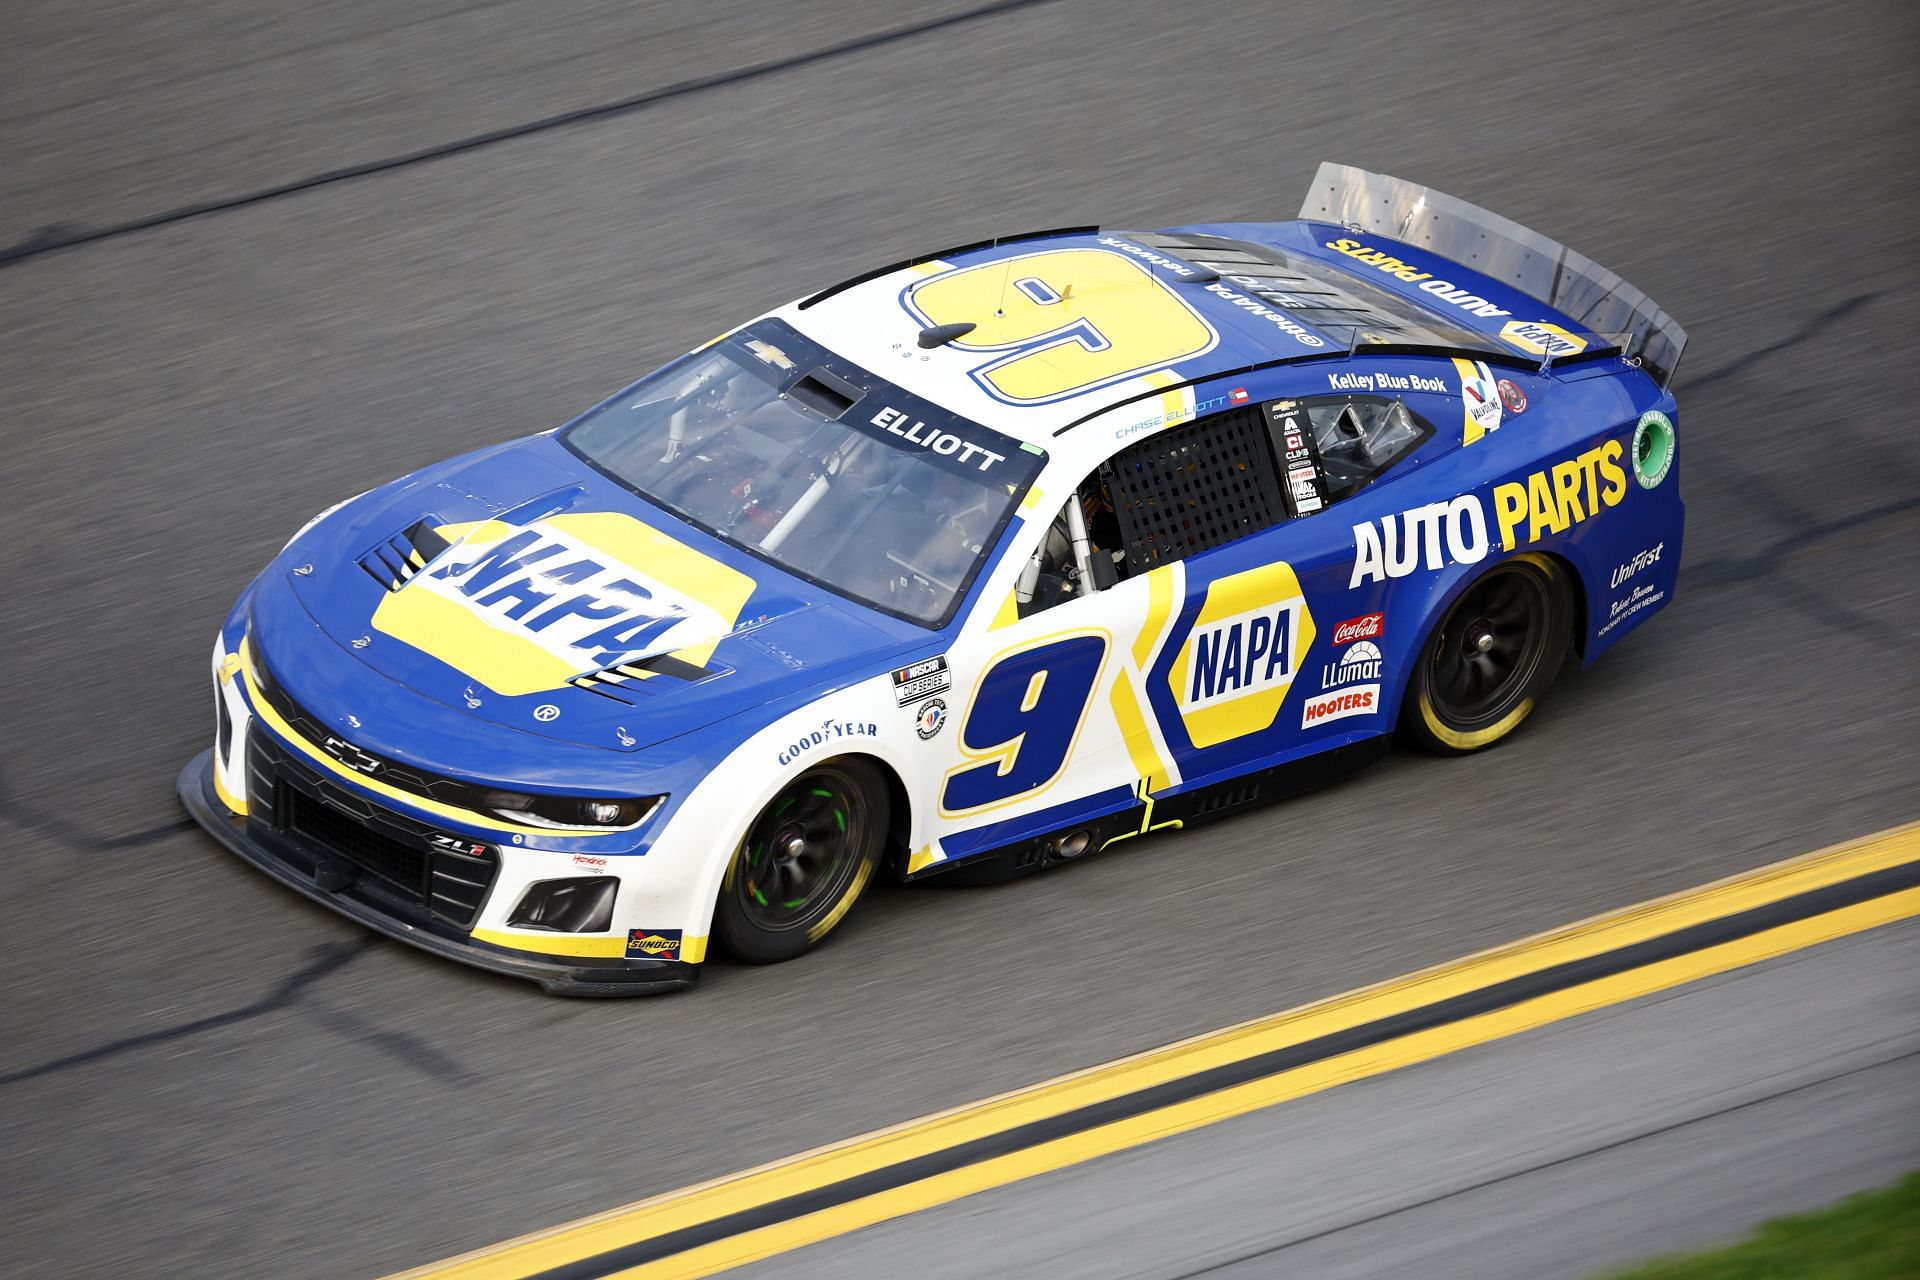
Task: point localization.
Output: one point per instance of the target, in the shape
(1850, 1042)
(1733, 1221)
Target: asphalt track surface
(1523, 1158)
(201, 1074)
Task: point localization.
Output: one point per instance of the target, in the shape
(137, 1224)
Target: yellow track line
(834, 1163)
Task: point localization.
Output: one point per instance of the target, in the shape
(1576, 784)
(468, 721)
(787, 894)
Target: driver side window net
(1184, 491)
(1193, 488)
(1163, 499)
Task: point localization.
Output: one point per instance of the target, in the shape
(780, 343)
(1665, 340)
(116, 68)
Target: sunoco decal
(653, 944)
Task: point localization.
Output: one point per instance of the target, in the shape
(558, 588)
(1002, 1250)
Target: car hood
(521, 587)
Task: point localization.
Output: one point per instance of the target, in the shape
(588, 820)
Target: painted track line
(1606, 960)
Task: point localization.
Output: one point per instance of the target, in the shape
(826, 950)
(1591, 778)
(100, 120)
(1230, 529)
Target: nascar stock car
(966, 566)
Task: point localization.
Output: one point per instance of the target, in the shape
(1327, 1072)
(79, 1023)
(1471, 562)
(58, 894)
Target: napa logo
(522, 608)
(1234, 669)
(1541, 338)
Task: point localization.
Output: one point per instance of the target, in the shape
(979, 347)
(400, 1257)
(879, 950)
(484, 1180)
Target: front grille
(449, 791)
(392, 861)
(446, 875)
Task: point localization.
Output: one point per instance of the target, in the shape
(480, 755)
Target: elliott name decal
(944, 443)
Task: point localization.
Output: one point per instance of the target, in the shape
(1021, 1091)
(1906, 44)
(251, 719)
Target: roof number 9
(1061, 322)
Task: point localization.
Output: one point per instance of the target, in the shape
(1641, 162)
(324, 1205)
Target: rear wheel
(1491, 659)
(803, 863)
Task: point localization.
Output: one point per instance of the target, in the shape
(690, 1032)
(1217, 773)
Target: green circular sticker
(1652, 448)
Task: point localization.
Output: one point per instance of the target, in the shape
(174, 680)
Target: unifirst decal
(1232, 673)
(1556, 498)
(525, 608)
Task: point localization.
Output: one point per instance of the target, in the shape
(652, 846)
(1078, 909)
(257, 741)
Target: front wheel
(1492, 658)
(803, 863)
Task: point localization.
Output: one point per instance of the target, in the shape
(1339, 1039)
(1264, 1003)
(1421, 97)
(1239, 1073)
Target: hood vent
(623, 679)
(392, 562)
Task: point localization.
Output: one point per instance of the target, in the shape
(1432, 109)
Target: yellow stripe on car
(292, 737)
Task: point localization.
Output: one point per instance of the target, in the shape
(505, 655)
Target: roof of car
(1032, 334)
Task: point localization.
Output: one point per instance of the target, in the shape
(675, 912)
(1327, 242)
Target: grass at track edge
(1871, 1236)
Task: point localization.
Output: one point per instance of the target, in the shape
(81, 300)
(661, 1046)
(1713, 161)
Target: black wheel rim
(803, 851)
(1486, 652)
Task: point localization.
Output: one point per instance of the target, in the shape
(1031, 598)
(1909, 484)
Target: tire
(803, 862)
(1492, 657)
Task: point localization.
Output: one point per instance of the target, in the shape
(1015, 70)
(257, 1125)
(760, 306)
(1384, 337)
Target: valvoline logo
(525, 608)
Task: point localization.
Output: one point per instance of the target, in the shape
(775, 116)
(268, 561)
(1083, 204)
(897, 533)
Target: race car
(965, 567)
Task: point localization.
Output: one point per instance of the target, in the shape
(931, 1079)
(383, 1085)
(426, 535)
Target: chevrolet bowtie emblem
(349, 755)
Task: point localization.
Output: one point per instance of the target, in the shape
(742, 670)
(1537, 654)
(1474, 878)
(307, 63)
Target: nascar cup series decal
(525, 608)
(1237, 663)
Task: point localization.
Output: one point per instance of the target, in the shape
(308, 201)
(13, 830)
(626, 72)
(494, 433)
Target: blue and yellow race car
(967, 566)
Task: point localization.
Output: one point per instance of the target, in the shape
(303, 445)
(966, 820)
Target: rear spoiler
(1504, 250)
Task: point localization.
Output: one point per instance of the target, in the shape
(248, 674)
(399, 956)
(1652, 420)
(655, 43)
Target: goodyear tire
(803, 863)
(1492, 657)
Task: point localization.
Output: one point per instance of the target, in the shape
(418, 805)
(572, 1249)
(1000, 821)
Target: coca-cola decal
(1366, 627)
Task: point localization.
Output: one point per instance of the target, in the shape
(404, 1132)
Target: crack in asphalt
(289, 993)
(1723, 570)
(1809, 601)
(1813, 325)
(54, 237)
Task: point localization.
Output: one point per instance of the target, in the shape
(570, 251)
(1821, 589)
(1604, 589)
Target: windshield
(777, 446)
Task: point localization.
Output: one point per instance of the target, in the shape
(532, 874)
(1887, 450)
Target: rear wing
(1504, 250)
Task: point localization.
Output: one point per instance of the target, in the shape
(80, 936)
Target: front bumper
(297, 863)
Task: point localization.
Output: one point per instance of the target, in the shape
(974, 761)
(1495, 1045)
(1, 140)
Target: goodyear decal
(1240, 658)
(1061, 322)
(1541, 338)
(525, 608)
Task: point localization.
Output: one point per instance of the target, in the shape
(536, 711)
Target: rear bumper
(294, 863)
